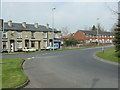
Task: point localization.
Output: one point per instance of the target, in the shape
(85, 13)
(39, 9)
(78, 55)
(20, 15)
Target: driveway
(70, 69)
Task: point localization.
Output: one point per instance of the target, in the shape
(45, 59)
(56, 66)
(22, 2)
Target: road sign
(1, 25)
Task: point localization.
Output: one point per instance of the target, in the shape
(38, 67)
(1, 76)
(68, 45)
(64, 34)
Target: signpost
(1, 25)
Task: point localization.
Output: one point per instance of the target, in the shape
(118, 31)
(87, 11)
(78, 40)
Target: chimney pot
(47, 26)
(24, 24)
(36, 25)
(10, 23)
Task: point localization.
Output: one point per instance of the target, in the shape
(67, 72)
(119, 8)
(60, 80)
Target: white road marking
(28, 58)
(33, 57)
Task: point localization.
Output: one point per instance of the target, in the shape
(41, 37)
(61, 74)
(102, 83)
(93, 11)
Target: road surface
(70, 69)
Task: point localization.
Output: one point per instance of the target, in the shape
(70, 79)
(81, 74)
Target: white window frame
(19, 44)
(44, 34)
(45, 43)
(19, 34)
(5, 34)
(6, 45)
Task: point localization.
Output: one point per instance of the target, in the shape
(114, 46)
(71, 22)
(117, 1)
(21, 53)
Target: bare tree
(113, 10)
(99, 27)
(113, 27)
(65, 31)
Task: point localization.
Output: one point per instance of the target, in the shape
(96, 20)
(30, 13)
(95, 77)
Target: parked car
(51, 48)
(29, 49)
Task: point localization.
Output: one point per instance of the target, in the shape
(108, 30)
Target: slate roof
(95, 32)
(29, 27)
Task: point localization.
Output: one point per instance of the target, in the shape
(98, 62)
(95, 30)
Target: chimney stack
(24, 24)
(47, 26)
(10, 23)
(36, 25)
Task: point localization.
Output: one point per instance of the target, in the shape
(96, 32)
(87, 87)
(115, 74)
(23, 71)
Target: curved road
(70, 69)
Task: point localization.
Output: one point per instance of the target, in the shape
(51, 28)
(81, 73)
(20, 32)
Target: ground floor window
(5, 45)
(19, 44)
(45, 43)
(32, 43)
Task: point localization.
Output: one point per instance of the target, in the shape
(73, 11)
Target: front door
(12, 45)
(27, 43)
(39, 45)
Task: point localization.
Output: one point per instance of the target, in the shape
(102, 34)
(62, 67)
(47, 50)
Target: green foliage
(94, 28)
(70, 42)
(117, 40)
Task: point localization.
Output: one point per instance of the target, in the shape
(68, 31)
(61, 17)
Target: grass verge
(108, 55)
(12, 74)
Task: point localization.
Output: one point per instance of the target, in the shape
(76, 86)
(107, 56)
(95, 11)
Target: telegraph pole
(53, 25)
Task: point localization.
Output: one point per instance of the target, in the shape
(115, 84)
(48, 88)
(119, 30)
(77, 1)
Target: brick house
(84, 36)
(17, 36)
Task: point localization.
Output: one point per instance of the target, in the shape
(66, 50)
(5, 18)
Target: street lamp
(97, 31)
(53, 25)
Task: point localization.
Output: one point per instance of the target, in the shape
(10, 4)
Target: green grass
(0, 73)
(12, 74)
(108, 55)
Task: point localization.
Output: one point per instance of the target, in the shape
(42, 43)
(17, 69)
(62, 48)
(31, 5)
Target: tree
(70, 42)
(99, 27)
(64, 31)
(94, 28)
(113, 27)
(117, 35)
(117, 40)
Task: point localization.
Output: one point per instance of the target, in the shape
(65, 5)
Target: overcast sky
(74, 15)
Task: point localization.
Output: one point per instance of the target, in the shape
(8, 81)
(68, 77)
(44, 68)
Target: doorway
(27, 43)
(39, 47)
(12, 45)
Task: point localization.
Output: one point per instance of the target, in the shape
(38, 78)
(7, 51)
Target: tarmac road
(70, 69)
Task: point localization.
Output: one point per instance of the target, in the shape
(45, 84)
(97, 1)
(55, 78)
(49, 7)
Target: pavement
(69, 69)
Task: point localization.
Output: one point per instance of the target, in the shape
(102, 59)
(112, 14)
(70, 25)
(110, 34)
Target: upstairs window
(19, 34)
(4, 35)
(44, 34)
(33, 34)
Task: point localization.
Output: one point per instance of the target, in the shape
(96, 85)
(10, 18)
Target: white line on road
(28, 58)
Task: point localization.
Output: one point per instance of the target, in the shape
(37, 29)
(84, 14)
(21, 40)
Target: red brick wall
(79, 35)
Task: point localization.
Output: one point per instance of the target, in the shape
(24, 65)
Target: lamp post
(98, 31)
(53, 25)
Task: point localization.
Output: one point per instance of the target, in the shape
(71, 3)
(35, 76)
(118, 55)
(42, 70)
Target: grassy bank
(108, 55)
(12, 74)
(0, 73)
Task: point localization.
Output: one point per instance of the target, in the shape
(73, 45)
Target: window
(44, 34)
(86, 35)
(110, 36)
(45, 43)
(32, 43)
(56, 35)
(33, 34)
(4, 34)
(4, 45)
(19, 34)
(19, 44)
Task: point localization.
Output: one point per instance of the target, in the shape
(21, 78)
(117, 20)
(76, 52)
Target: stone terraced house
(17, 36)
